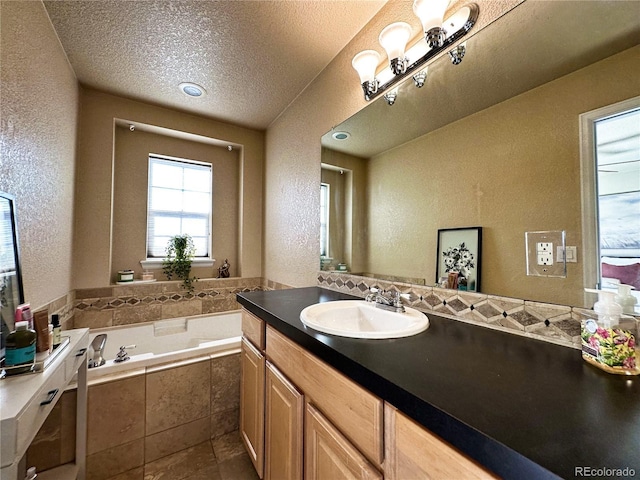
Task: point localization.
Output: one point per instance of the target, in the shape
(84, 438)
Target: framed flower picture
(459, 254)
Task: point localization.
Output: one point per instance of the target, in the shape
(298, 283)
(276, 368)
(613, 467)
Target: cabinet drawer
(40, 406)
(253, 329)
(356, 412)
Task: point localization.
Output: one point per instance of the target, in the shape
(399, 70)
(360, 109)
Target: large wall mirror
(11, 290)
(493, 142)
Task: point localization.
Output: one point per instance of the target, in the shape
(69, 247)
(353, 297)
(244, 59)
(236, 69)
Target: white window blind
(179, 202)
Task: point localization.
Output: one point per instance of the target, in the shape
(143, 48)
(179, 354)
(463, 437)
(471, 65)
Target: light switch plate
(540, 248)
(571, 256)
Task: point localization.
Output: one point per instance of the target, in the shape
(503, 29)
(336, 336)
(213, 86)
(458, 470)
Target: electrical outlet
(541, 260)
(544, 251)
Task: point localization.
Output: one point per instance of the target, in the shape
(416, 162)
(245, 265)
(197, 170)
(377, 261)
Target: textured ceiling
(253, 57)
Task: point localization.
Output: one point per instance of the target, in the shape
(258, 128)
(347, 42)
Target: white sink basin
(360, 319)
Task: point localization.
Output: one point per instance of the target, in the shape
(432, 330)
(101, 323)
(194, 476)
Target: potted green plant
(180, 252)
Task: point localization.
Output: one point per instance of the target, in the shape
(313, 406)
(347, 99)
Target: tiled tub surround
(138, 422)
(166, 341)
(112, 399)
(553, 323)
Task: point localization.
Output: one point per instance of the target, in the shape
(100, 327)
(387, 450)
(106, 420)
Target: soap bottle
(55, 321)
(20, 349)
(604, 343)
(625, 299)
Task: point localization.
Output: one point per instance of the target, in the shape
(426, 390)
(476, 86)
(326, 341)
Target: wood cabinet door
(412, 451)
(356, 412)
(284, 419)
(252, 403)
(329, 455)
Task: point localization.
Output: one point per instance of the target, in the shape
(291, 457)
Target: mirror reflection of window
(617, 149)
(324, 219)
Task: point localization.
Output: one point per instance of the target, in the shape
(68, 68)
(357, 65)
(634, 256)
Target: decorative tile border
(146, 302)
(551, 323)
(63, 307)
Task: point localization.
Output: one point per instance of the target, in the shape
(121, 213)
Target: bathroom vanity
(26, 401)
(455, 401)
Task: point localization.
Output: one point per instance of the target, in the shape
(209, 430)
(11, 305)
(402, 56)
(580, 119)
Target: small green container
(125, 276)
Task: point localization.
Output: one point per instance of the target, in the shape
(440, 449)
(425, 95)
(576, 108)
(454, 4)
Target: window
(610, 177)
(324, 219)
(617, 140)
(179, 202)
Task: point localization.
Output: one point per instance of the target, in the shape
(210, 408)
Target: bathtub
(166, 343)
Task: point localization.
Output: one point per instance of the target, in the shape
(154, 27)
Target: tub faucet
(387, 301)
(122, 355)
(98, 349)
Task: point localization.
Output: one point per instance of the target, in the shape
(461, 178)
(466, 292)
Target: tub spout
(98, 349)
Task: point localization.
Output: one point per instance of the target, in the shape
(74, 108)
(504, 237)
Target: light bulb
(431, 15)
(393, 39)
(365, 63)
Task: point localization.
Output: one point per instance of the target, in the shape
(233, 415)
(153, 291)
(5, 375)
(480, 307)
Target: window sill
(156, 263)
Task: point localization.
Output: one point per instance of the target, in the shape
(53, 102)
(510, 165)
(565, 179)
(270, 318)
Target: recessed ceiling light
(192, 89)
(340, 135)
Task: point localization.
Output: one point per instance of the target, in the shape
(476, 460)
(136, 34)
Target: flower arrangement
(459, 260)
(610, 346)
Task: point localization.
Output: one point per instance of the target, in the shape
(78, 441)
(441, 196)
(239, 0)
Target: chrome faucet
(122, 355)
(386, 300)
(97, 346)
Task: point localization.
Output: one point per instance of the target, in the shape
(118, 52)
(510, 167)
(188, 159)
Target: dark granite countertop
(522, 407)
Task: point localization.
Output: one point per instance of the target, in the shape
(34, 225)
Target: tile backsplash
(128, 304)
(553, 323)
(147, 302)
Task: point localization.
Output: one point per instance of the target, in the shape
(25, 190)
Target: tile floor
(222, 458)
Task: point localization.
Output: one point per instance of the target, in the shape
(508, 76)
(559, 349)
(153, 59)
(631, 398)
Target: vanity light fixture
(439, 35)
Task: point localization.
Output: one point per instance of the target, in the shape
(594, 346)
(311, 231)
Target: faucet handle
(122, 355)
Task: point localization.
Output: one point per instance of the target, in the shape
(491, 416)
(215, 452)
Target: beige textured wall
(93, 234)
(511, 168)
(293, 154)
(38, 111)
(131, 169)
